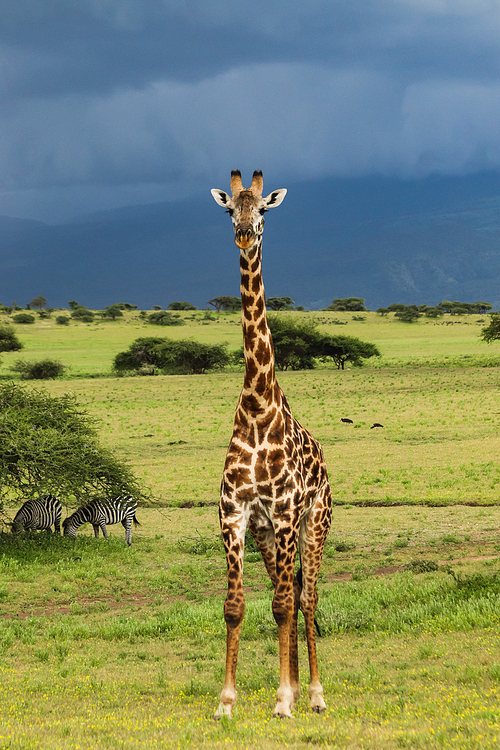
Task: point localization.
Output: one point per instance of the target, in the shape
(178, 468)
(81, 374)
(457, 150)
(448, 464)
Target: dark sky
(115, 102)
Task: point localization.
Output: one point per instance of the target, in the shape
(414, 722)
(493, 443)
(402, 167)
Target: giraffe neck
(260, 386)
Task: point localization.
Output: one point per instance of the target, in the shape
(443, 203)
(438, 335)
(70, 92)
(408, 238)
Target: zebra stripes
(101, 512)
(38, 514)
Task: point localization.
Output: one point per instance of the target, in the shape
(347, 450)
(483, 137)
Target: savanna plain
(112, 647)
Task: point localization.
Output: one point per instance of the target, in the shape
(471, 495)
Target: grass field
(109, 647)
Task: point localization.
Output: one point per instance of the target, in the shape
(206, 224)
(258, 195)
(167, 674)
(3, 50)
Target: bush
(81, 313)
(181, 306)
(8, 340)
(492, 331)
(349, 304)
(62, 320)
(43, 369)
(173, 357)
(50, 444)
(164, 318)
(24, 318)
(112, 312)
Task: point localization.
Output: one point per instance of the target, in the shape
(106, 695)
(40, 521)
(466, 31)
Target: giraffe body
(275, 482)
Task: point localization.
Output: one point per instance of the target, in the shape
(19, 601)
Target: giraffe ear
(275, 198)
(220, 197)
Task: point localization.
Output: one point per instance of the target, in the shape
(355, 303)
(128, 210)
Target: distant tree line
(410, 313)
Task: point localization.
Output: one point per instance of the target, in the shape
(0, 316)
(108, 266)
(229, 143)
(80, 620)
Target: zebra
(38, 514)
(101, 512)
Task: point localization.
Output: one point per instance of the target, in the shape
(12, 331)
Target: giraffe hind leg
(312, 542)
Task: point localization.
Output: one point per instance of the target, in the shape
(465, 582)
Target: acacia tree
(491, 332)
(280, 303)
(50, 445)
(173, 357)
(225, 303)
(38, 302)
(349, 304)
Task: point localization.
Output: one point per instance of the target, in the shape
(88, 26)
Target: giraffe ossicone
(275, 482)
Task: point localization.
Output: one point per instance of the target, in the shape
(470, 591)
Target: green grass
(104, 646)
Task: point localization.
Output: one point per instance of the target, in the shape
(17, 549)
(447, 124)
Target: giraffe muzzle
(244, 238)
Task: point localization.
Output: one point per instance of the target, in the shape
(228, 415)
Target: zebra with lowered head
(101, 512)
(37, 515)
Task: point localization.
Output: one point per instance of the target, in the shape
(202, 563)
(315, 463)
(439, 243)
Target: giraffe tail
(298, 577)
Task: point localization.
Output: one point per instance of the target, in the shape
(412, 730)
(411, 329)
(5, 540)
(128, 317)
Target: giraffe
(275, 481)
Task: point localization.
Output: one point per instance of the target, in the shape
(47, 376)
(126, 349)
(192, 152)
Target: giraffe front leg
(233, 535)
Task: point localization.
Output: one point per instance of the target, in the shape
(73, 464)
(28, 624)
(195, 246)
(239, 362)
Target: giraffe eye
(229, 211)
(262, 211)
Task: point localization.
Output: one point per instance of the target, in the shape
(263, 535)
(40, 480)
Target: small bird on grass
(376, 424)
(346, 421)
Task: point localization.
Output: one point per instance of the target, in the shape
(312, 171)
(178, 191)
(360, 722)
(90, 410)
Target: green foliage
(465, 308)
(409, 314)
(8, 340)
(344, 349)
(226, 302)
(181, 306)
(113, 312)
(73, 304)
(297, 343)
(62, 320)
(24, 318)
(280, 303)
(43, 369)
(38, 302)
(491, 332)
(164, 318)
(81, 313)
(349, 304)
(50, 444)
(173, 357)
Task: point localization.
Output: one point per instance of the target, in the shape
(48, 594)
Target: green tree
(491, 332)
(62, 320)
(164, 318)
(8, 340)
(181, 306)
(113, 312)
(409, 314)
(231, 304)
(38, 302)
(295, 342)
(280, 303)
(342, 349)
(81, 313)
(349, 304)
(73, 304)
(172, 357)
(50, 444)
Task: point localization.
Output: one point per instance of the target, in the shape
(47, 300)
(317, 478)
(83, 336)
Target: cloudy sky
(114, 102)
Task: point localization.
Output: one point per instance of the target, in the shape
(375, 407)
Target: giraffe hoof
(318, 709)
(282, 716)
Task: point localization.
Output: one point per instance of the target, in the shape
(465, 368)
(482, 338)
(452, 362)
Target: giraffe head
(247, 207)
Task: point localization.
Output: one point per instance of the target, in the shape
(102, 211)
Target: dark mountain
(386, 240)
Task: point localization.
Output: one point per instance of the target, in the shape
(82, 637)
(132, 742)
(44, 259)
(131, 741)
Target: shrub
(112, 312)
(81, 313)
(50, 444)
(43, 369)
(164, 318)
(8, 340)
(173, 357)
(24, 318)
(181, 306)
(62, 320)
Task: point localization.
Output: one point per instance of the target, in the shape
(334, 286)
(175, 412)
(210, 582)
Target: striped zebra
(37, 515)
(101, 512)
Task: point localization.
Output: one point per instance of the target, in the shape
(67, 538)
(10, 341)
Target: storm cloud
(110, 102)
